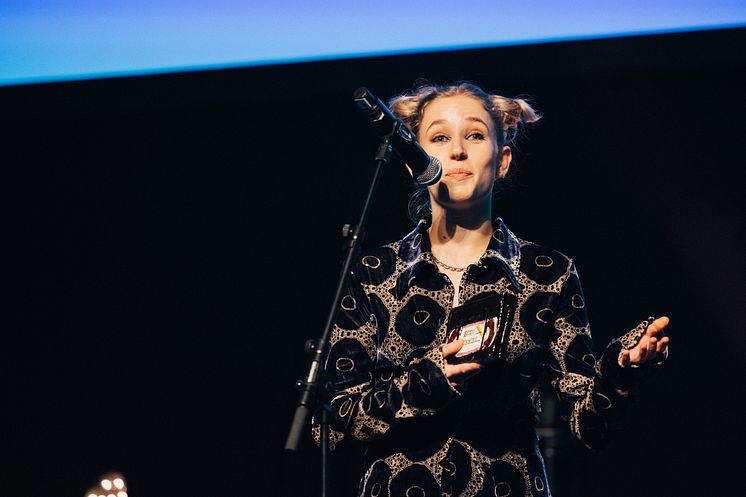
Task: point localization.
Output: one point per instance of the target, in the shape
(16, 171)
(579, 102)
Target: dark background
(175, 238)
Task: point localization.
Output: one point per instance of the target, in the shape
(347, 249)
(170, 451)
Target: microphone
(425, 169)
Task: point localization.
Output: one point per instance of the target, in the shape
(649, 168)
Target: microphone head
(366, 101)
(431, 174)
(360, 93)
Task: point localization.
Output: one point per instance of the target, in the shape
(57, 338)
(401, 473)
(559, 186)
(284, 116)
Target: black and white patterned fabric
(425, 438)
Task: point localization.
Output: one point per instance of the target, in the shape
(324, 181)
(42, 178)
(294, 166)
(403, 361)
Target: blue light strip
(62, 40)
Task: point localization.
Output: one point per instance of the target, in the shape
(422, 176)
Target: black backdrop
(175, 238)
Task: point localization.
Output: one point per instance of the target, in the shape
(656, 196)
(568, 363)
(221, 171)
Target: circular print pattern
(411, 325)
(505, 481)
(415, 481)
(544, 265)
(377, 484)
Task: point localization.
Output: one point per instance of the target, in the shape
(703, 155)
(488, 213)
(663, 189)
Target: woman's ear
(503, 162)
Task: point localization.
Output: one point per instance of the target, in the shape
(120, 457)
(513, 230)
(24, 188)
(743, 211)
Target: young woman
(433, 426)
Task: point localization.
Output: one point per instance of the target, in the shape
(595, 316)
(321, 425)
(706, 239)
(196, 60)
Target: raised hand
(651, 343)
(458, 373)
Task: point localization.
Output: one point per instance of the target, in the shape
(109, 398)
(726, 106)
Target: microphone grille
(431, 174)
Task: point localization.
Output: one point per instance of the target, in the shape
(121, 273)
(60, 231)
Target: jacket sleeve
(369, 395)
(594, 394)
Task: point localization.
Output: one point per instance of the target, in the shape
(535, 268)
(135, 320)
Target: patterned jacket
(425, 438)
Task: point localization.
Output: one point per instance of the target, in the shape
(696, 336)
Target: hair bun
(514, 111)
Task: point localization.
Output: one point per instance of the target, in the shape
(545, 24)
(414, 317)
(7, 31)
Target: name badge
(484, 326)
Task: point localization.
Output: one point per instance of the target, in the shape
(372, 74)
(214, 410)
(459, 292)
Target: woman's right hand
(458, 373)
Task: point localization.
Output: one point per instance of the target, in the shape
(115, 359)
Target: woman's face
(460, 132)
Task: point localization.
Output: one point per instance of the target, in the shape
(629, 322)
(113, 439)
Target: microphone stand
(309, 386)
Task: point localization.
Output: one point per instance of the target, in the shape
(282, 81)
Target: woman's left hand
(651, 343)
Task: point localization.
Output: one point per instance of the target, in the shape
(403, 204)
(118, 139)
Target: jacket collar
(503, 251)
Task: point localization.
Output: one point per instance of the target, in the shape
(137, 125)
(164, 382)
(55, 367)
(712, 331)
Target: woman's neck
(459, 238)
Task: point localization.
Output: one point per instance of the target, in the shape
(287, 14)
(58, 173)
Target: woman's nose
(458, 152)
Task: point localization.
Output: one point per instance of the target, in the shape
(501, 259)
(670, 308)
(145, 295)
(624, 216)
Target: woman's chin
(456, 203)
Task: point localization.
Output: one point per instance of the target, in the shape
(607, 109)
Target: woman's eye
(476, 136)
(439, 138)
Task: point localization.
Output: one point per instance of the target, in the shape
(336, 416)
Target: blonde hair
(508, 116)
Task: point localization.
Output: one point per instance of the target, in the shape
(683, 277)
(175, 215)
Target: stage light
(109, 485)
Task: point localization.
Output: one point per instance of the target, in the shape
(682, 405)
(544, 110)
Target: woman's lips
(458, 173)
